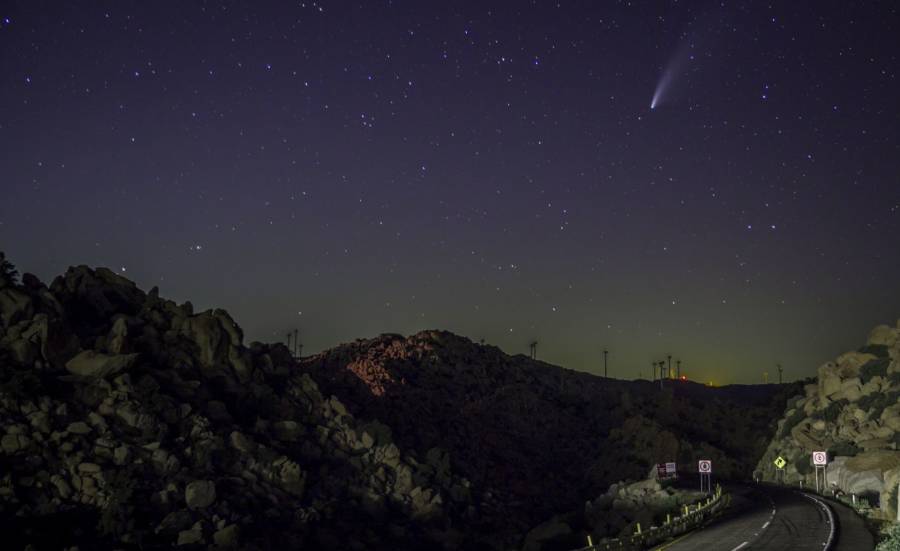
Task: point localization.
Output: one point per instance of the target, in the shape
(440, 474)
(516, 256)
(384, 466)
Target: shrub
(865, 403)
(874, 368)
(884, 400)
(875, 402)
(891, 538)
(8, 272)
(879, 350)
(792, 422)
(833, 410)
(20, 384)
(803, 464)
(848, 449)
(792, 402)
(116, 513)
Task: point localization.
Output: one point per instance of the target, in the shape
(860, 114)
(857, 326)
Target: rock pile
(131, 421)
(624, 505)
(852, 411)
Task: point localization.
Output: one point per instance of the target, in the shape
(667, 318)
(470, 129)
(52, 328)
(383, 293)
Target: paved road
(773, 519)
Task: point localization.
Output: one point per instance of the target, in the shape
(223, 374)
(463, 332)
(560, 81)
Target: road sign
(820, 458)
(704, 466)
(666, 470)
(780, 462)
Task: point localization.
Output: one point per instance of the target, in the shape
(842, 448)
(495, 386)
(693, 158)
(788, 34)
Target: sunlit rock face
(853, 412)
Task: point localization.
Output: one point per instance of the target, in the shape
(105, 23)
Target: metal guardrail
(832, 524)
(858, 503)
(692, 517)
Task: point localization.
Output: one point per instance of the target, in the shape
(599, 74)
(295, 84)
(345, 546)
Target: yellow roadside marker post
(638, 528)
(590, 543)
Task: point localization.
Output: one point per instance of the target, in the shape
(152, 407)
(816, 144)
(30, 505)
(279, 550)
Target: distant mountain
(852, 412)
(130, 421)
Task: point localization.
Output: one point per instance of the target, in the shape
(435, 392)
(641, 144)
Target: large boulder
(116, 341)
(94, 297)
(93, 364)
(214, 333)
(850, 362)
(538, 536)
(829, 379)
(884, 335)
(200, 494)
(851, 389)
(882, 460)
(41, 337)
(863, 473)
(15, 306)
(890, 417)
(871, 481)
(805, 438)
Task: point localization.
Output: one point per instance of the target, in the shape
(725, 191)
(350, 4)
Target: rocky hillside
(537, 439)
(129, 421)
(853, 411)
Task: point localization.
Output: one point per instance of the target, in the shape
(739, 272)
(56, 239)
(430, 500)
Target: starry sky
(490, 168)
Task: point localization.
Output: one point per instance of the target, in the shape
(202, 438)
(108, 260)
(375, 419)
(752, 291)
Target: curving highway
(774, 519)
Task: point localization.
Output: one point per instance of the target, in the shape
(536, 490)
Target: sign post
(779, 468)
(704, 467)
(820, 462)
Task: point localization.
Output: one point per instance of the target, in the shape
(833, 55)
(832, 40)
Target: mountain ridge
(155, 425)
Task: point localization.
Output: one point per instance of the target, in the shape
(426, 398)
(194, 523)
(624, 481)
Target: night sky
(494, 169)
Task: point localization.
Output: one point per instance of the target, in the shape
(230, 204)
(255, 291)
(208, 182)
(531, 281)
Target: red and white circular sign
(704, 466)
(820, 458)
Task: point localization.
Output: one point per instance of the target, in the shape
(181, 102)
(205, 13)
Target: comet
(673, 68)
(662, 87)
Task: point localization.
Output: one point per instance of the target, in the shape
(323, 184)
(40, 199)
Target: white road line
(766, 525)
(740, 546)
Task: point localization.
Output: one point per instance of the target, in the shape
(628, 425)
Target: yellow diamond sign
(780, 462)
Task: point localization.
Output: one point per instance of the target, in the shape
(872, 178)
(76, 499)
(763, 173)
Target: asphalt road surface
(776, 519)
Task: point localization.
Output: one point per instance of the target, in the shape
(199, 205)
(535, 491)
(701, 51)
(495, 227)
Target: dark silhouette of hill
(536, 439)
